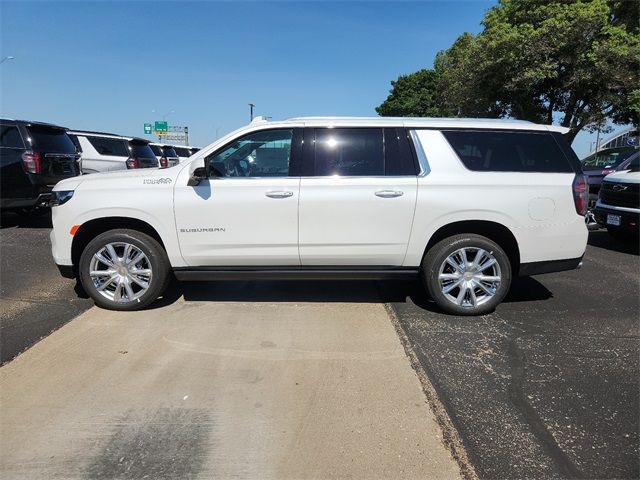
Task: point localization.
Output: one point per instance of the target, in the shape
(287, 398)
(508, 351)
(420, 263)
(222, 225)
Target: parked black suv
(34, 156)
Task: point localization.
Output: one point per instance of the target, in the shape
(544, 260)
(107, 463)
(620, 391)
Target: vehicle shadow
(15, 220)
(524, 289)
(602, 239)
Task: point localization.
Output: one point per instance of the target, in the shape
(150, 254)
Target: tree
(413, 95)
(576, 62)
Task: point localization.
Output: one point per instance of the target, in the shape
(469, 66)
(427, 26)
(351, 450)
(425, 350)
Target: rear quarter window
(110, 146)
(508, 151)
(10, 137)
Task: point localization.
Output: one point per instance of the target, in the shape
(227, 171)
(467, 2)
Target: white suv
(106, 152)
(465, 205)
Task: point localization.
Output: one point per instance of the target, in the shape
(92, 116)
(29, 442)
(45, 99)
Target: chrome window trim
(422, 157)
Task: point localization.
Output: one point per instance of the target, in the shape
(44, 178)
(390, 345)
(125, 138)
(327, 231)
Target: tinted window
(182, 151)
(74, 139)
(141, 150)
(607, 158)
(501, 151)
(110, 146)
(156, 150)
(398, 159)
(51, 140)
(349, 152)
(169, 152)
(261, 154)
(10, 137)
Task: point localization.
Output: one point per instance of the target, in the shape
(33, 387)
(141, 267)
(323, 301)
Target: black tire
(157, 259)
(438, 254)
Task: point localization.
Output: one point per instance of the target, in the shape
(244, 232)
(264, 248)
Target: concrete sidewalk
(220, 390)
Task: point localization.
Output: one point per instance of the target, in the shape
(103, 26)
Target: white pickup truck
(465, 205)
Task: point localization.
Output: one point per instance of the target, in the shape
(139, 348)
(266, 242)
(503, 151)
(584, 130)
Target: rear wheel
(124, 270)
(466, 274)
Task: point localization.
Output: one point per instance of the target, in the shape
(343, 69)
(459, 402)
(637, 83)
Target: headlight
(60, 197)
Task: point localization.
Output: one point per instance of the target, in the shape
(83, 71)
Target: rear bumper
(549, 266)
(629, 221)
(41, 200)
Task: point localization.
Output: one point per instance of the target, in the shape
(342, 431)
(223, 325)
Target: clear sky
(108, 65)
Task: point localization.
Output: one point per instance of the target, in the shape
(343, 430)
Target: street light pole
(251, 105)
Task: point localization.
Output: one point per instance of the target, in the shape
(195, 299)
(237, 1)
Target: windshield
(634, 165)
(607, 158)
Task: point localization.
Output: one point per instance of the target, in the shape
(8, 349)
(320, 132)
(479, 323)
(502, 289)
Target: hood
(624, 176)
(142, 176)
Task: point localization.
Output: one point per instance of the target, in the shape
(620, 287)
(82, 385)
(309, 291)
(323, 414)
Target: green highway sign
(147, 128)
(162, 128)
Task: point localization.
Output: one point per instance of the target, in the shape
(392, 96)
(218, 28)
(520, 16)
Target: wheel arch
(492, 230)
(92, 228)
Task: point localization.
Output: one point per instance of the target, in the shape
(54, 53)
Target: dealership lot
(547, 386)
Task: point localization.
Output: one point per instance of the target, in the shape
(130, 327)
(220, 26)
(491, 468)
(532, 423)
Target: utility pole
(251, 105)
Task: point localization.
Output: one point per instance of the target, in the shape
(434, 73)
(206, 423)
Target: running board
(292, 273)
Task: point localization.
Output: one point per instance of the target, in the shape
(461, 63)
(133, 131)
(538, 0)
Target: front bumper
(629, 221)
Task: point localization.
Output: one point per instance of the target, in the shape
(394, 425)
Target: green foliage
(413, 95)
(576, 62)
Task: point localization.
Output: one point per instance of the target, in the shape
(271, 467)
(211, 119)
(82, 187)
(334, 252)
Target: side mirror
(197, 176)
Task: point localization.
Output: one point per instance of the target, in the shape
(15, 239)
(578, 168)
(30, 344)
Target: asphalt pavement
(34, 299)
(545, 387)
(548, 385)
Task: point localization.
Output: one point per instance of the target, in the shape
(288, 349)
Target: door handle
(279, 194)
(389, 193)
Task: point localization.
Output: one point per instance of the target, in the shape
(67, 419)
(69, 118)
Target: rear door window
(110, 146)
(10, 137)
(349, 152)
(508, 151)
(51, 140)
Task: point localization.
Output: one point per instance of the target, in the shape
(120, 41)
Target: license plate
(613, 220)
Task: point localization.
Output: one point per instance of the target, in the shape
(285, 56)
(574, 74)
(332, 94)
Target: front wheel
(124, 270)
(466, 274)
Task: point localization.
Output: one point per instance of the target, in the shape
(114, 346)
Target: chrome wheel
(120, 272)
(469, 277)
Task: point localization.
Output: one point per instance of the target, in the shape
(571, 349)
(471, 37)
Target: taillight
(580, 194)
(31, 162)
(133, 162)
(164, 163)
